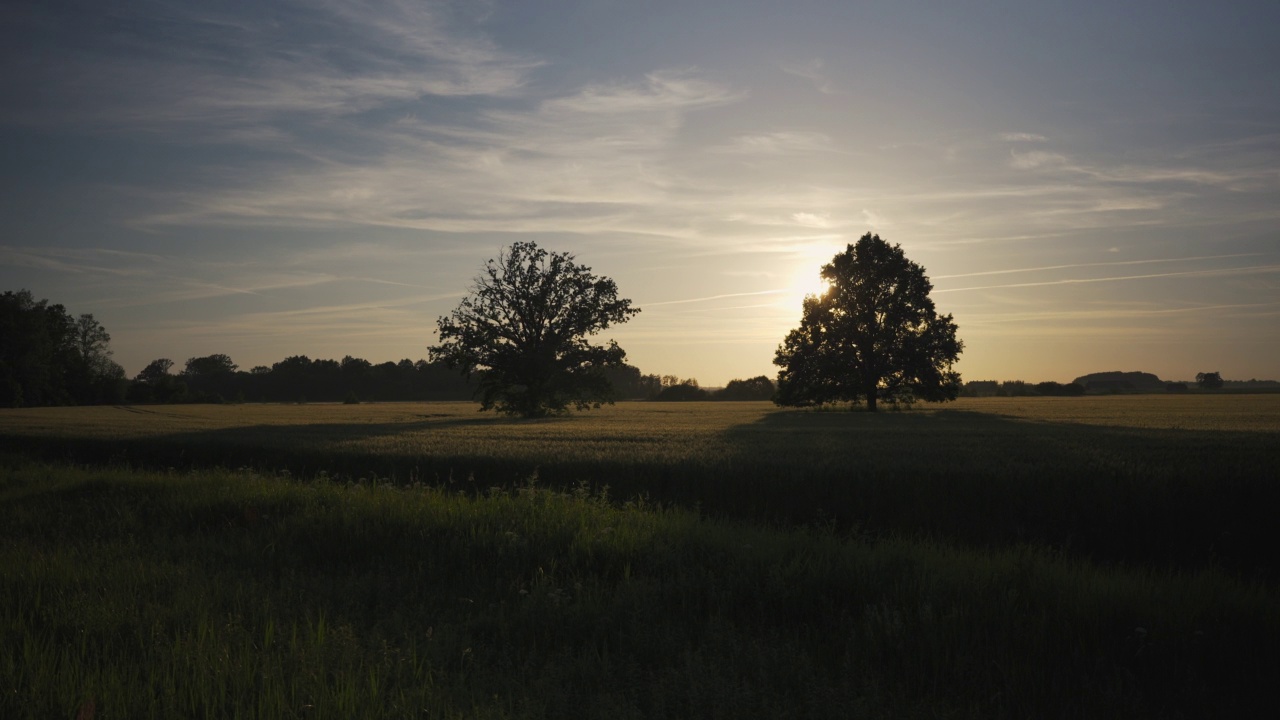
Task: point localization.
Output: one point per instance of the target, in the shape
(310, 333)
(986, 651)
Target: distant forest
(49, 357)
(1113, 383)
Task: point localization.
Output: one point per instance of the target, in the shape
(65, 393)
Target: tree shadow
(1167, 497)
(1187, 498)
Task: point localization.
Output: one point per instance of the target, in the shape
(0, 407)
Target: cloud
(874, 220)
(596, 159)
(1226, 272)
(715, 297)
(778, 143)
(1035, 159)
(815, 72)
(659, 91)
(1022, 137)
(1113, 263)
(813, 220)
(1111, 314)
(231, 72)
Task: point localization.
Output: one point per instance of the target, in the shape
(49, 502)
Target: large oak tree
(523, 333)
(873, 333)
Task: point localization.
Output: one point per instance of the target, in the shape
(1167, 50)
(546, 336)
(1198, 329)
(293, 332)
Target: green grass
(1020, 557)
(1161, 481)
(225, 594)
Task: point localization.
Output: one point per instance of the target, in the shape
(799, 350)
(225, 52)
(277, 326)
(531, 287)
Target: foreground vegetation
(224, 594)
(1045, 557)
(1163, 481)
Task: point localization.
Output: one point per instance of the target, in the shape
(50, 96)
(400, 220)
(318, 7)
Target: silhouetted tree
(756, 388)
(49, 358)
(1051, 388)
(211, 378)
(154, 383)
(523, 330)
(1209, 381)
(675, 389)
(873, 333)
(629, 383)
(155, 370)
(210, 365)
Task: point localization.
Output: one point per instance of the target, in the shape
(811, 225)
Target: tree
(756, 388)
(155, 371)
(629, 383)
(209, 366)
(211, 378)
(675, 389)
(154, 383)
(47, 357)
(1209, 381)
(873, 333)
(523, 330)
(92, 342)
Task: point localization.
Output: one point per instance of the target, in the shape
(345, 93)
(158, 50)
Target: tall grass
(1169, 482)
(219, 593)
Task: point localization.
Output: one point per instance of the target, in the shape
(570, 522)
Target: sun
(806, 282)
(805, 277)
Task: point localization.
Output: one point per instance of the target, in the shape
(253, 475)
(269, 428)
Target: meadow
(993, 557)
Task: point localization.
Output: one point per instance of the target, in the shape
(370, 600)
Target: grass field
(1021, 557)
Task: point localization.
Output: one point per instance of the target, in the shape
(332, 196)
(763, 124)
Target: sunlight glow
(806, 278)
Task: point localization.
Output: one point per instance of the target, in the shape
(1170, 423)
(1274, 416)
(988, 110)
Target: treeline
(49, 357)
(670, 388)
(1019, 388)
(216, 379)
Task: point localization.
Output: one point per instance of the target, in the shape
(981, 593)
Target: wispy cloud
(815, 72)
(716, 297)
(1112, 263)
(1033, 159)
(1022, 137)
(1114, 314)
(591, 161)
(783, 142)
(231, 71)
(1224, 272)
(659, 91)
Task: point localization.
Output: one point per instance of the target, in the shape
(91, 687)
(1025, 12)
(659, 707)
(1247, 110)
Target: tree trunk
(871, 397)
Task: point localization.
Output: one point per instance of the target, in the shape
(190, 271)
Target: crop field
(993, 557)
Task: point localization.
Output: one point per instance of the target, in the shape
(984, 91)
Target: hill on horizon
(1119, 380)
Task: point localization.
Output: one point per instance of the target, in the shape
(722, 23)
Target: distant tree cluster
(756, 388)
(1019, 388)
(675, 389)
(216, 378)
(1209, 380)
(49, 357)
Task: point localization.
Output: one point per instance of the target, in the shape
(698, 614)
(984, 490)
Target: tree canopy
(873, 333)
(48, 357)
(1209, 380)
(523, 333)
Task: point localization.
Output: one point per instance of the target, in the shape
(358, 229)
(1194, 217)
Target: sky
(1091, 186)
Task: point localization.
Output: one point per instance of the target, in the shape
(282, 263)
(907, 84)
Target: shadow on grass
(1159, 497)
(1180, 498)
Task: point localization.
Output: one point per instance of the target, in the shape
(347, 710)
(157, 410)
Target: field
(1019, 557)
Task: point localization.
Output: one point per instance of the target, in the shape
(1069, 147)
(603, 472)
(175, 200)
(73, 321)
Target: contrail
(1263, 269)
(713, 297)
(1099, 264)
